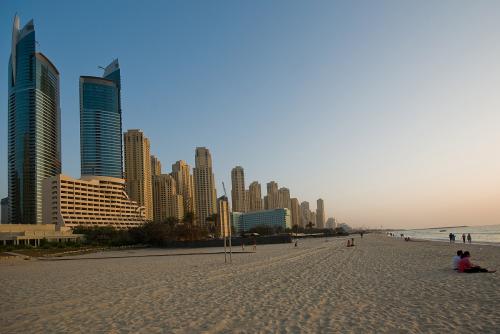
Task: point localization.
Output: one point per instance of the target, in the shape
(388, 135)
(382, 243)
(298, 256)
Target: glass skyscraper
(101, 124)
(34, 140)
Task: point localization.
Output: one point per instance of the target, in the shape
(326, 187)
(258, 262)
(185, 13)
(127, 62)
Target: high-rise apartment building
(320, 213)
(181, 172)
(167, 202)
(155, 166)
(204, 184)
(34, 139)
(295, 212)
(306, 213)
(101, 124)
(238, 189)
(247, 200)
(254, 197)
(138, 170)
(272, 197)
(284, 198)
(5, 211)
(330, 223)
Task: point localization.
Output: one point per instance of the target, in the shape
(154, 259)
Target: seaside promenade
(380, 285)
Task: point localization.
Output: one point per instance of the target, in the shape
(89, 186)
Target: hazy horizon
(389, 111)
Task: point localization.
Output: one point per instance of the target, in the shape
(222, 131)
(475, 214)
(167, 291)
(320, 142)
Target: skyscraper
(34, 139)
(330, 223)
(181, 172)
(238, 189)
(284, 198)
(155, 166)
(101, 124)
(320, 213)
(204, 185)
(255, 197)
(5, 211)
(247, 200)
(306, 213)
(167, 201)
(295, 212)
(272, 198)
(138, 170)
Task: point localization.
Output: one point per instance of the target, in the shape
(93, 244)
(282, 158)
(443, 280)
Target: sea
(479, 234)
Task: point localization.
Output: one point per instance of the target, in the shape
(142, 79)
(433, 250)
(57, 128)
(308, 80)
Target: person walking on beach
(463, 237)
(469, 238)
(465, 266)
(451, 237)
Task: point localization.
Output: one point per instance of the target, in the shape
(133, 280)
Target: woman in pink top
(465, 266)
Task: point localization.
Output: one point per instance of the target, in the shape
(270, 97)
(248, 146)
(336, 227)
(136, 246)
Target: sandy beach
(382, 285)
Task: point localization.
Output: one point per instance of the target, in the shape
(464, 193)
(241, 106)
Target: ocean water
(479, 234)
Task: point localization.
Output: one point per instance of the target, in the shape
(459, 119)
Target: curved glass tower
(34, 144)
(101, 124)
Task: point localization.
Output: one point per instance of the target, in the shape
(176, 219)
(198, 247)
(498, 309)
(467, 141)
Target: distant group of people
(350, 242)
(461, 263)
(402, 236)
(453, 237)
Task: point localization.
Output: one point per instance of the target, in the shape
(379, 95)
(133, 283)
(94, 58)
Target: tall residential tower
(255, 197)
(204, 185)
(181, 172)
(138, 170)
(101, 124)
(320, 213)
(272, 198)
(34, 127)
(238, 189)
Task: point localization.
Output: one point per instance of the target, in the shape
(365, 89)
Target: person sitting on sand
(465, 266)
(456, 259)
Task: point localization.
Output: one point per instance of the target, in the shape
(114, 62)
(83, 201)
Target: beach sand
(382, 285)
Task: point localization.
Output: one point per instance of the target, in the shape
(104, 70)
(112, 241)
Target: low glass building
(274, 218)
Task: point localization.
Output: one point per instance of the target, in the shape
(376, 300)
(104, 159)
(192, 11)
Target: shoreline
(483, 243)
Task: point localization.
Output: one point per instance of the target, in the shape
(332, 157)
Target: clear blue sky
(388, 110)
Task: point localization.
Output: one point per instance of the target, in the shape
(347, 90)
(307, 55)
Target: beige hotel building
(89, 201)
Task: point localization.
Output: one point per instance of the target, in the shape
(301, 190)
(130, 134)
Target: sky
(388, 110)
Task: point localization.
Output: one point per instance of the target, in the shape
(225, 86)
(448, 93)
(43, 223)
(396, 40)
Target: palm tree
(212, 221)
(189, 218)
(190, 221)
(310, 225)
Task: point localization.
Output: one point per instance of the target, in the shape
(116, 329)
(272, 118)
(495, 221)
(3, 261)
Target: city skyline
(427, 162)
